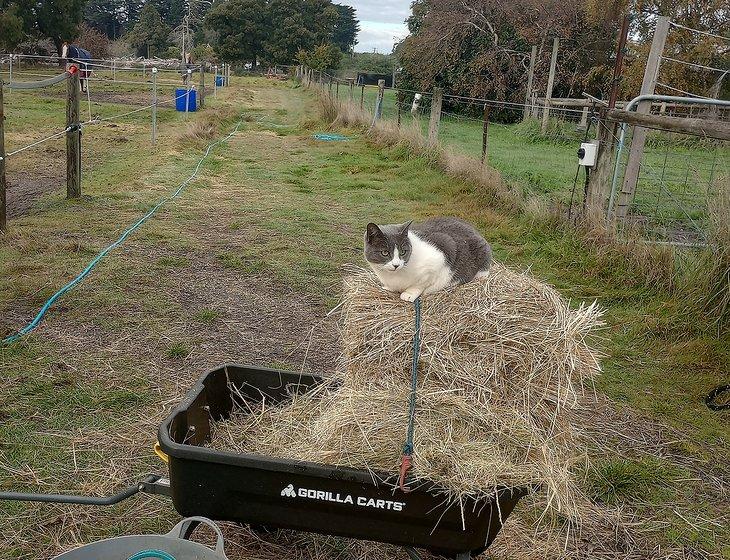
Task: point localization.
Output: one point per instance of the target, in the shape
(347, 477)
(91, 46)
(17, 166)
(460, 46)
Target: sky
(380, 22)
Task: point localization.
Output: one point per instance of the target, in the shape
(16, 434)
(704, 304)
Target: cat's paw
(386, 289)
(409, 296)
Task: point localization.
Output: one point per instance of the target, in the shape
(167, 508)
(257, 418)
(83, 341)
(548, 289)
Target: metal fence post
(73, 136)
(10, 79)
(215, 81)
(485, 134)
(202, 84)
(187, 91)
(154, 106)
(3, 184)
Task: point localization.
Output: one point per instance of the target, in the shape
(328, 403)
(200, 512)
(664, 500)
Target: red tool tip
(405, 466)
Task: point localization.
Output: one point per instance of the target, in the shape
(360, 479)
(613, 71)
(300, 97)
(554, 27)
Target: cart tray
(290, 494)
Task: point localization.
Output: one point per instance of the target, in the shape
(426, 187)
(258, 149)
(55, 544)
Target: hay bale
(503, 362)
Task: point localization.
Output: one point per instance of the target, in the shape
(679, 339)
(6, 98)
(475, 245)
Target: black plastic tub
(282, 493)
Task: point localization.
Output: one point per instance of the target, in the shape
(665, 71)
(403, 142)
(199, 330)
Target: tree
(346, 28)
(150, 34)
(106, 16)
(58, 20)
(295, 25)
(481, 48)
(93, 41)
(682, 44)
(238, 27)
(322, 57)
(11, 27)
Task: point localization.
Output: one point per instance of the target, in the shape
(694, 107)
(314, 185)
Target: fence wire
(679, 179)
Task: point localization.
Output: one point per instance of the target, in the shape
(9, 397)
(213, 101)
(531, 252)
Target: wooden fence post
(3, 184)
(215, 81)
(530, 77)
(583, 119)
(73, 136)
(485, 134)
(551, 81)
(599, 183)
(399, 101)
(433, 125)
(636, 152)
(362, 97)
(201, 93)
(337, 89)
(381, 98)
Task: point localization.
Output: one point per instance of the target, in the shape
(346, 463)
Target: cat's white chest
(425, 272)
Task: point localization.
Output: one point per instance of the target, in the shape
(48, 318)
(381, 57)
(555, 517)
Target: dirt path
(24, 189)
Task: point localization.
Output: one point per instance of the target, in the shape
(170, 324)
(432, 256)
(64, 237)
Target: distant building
(364, 79)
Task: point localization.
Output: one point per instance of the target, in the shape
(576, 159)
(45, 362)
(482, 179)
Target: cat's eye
(385, 253)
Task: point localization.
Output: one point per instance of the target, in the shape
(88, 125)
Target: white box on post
(587, 154)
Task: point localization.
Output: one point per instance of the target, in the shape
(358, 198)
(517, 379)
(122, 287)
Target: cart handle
(83, 500)
(183, 530)
(160, 453)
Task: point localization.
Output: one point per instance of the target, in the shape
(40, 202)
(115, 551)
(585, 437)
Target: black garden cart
(282, 493)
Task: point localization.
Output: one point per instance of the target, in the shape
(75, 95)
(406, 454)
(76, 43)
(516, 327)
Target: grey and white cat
(414, 259)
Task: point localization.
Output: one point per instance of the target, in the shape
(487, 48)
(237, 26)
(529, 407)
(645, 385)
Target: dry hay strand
(503, 361)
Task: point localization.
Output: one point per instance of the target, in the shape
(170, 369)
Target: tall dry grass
(712, 277)
(701, 279)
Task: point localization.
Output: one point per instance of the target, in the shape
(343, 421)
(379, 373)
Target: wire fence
(680, 175)
(35, 106)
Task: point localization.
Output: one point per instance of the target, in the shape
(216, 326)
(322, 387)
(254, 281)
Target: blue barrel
(219, 81)
(180, 99)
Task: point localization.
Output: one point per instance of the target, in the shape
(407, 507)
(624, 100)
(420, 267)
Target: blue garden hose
(325, 137)
(39, 316)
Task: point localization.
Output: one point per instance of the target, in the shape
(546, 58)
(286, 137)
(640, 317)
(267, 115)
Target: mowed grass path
(242, 267)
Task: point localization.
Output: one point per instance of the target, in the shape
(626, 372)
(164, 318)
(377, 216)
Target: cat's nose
(396, 266)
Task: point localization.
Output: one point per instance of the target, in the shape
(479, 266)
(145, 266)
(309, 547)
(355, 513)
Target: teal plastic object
(325, 137)
(152, 554)
(172, 546)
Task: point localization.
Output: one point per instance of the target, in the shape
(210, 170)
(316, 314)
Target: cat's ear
(372, 231)
(405, 227)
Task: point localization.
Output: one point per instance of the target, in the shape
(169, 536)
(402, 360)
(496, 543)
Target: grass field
(245, 265)
(678, 176)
